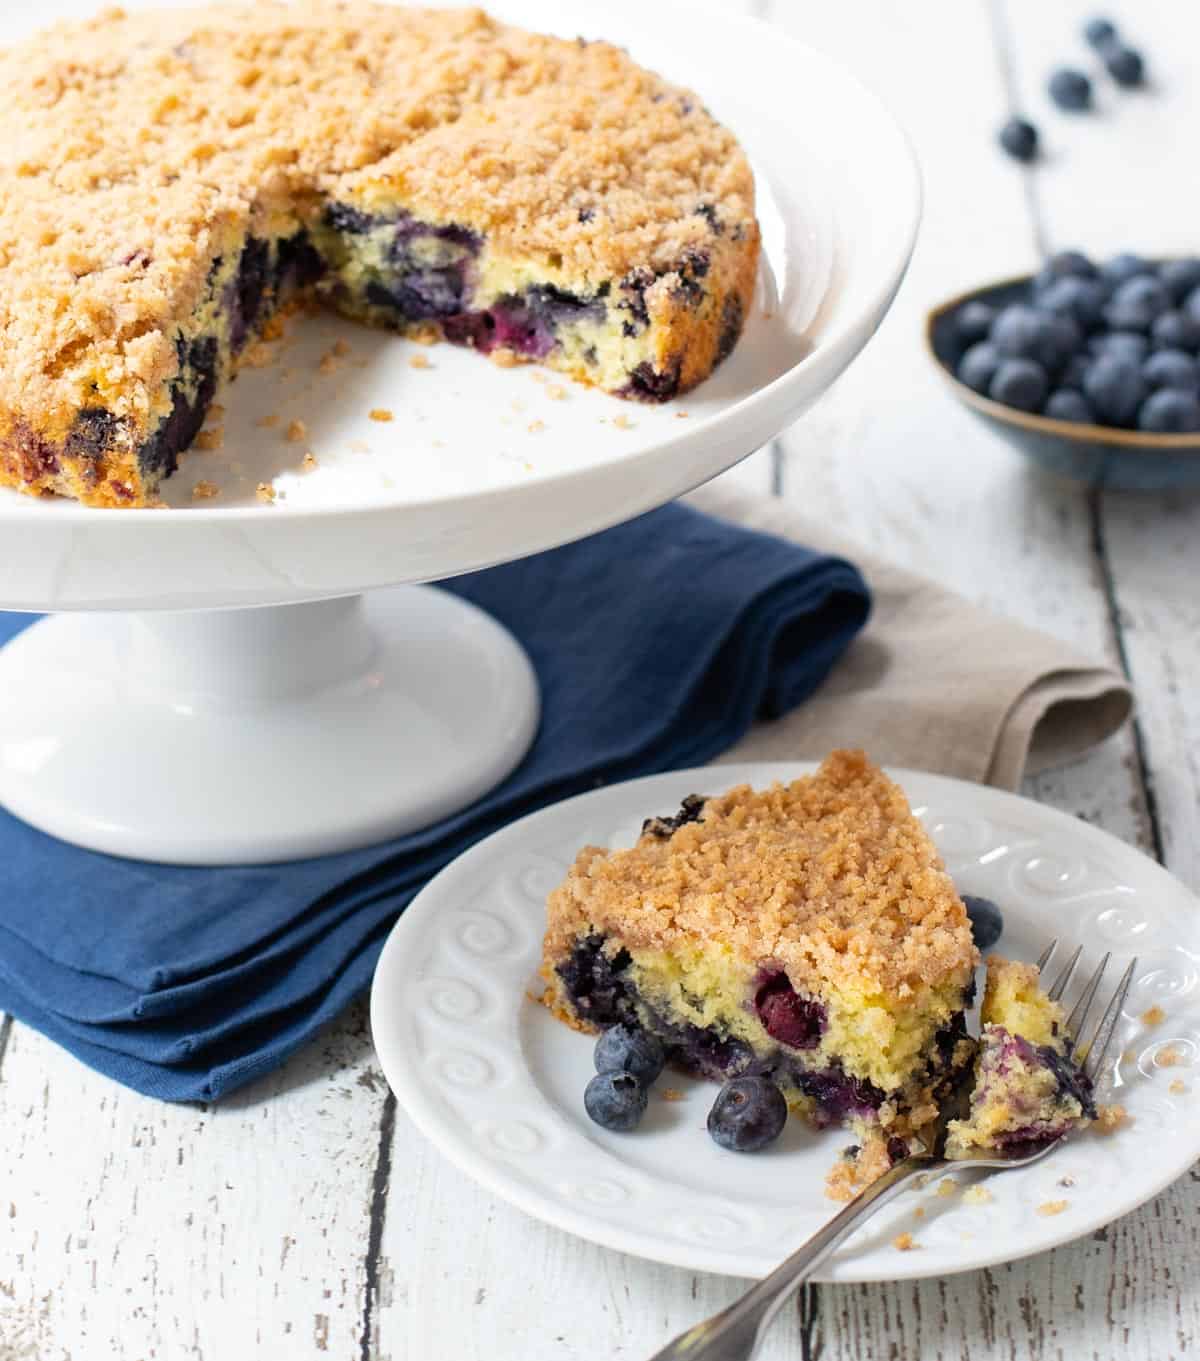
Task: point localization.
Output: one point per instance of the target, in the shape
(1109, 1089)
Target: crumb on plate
(380, 413)
(1052, 1207)
(905, 1242)
(1177, 1086)
(977, 1195)
(211, 439)
(257, 355)
(1154, 1015)
(671, 1094)
(341, 347)
(296, 432)
(309, 461)
(947, 1187)
(1109, 1119)
(268, 421)
(623, 422)
(265, 492)
(419, 361)
(535, 426)
(1169, 1057)
(556, 392)
(204, 490)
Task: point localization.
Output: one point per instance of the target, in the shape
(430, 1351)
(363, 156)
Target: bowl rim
(1140, 441)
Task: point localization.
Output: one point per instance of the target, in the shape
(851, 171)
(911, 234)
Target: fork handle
(735, 1333)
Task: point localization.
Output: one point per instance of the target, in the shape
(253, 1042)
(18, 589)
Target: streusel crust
(831, 876)
(140, 150)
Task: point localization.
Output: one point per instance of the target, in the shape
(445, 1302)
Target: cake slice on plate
(806, 932)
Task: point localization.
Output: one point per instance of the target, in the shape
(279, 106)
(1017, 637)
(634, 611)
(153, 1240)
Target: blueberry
(1070, 89)
(1022, 332)
(1128, 344)
(615, 1101)
(1179, 277)
(1072, 375)
(987, 924)
(1019, 138)
(973, 321)
(748, 1114)
(1136, 303)
(1099, 31)
(1115, 387)
(1021, 383)
(977, 367)
(1125, 65)
(1171, 369)
(1067, 264)
(1191, 304)
(1170, 411)
(1125, 266)
(1066, 404)
(1176, 331)
(1080, 299)
(786, 1016)
(625, 1049)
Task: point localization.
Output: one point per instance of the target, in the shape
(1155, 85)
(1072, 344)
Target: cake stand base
(248, 736)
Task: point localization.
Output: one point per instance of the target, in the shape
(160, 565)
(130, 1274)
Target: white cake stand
(155, 716)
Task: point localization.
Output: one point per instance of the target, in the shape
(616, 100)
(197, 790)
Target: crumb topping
(138, 145)
(831, 876)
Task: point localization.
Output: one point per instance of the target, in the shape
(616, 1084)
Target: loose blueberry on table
(1114, 344)
(1019, 138)
(1070, 89)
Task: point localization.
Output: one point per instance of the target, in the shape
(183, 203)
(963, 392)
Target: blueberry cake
(169, 180)
(806, 932)
(1028, 1092)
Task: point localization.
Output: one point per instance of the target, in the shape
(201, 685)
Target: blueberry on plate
(1179, 277)
(615, 1101)
(1136, 303)
(1125, 266)
(1065, 404)
(1082, 300)
(1064, 264)
(1019, 138)
(1171, 369)
(1176, 331)
(977, 367)
(1115, 387)
(1070, 89)
(748, 1114)
(1170, 412)
(1098, 32)
(1128, 344)
(1125, 65)
(627, 1049)
(1021, 383)
(987, 922)
(973, 321)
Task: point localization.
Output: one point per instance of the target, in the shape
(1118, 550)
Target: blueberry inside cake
(169, 180)
(806, 932)
(1028, 1092)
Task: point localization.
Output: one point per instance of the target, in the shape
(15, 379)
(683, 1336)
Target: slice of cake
(1028, 1091)
(808, 932)
(168, 180)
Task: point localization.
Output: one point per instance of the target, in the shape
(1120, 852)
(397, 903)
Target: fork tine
(1064, 978)
(1047, 954)
(1078, 1017)
(1097, 1051)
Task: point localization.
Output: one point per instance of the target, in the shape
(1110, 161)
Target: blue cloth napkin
(656, 645)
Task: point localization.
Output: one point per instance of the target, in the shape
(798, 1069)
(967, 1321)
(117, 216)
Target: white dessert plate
(497, 1084)
(481, 464)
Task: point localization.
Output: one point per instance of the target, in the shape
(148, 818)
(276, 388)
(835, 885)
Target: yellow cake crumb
(328, 364)
(341, 347)
(381, 414)
(623, 422)
(556, 392)
(671, 1094)
(296, 432)
(682, 415)
(1052, 1207)
(947, 1187)
(1177, 1086)
(419, 361)
(1154, 1015)
(1169, 1057)
(265, 492)
(205, 490)
(210, 439)
(309, 461)
(905, 1242)
(1109, 1119)
(919, 1212)
(536, 426)
(977, 1195)
(257, 355)
(268, 421)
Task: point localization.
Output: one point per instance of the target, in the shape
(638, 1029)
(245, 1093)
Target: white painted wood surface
(305, 1217)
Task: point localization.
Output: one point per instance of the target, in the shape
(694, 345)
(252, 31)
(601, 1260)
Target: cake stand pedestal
(247, 736)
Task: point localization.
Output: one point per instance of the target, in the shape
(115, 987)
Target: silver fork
(736, 1332)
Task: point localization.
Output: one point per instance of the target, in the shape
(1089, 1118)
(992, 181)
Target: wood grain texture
(306, 1218)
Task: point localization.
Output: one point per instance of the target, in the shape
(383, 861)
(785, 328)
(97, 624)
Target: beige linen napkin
(934, 682)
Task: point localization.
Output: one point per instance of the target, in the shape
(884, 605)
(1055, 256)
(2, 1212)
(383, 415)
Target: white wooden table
(306, 1217)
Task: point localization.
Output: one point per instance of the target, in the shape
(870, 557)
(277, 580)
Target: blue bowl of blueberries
(1092, 369)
